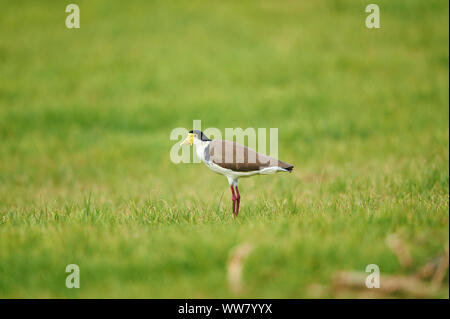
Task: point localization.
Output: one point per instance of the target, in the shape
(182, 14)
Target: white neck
(200, 146)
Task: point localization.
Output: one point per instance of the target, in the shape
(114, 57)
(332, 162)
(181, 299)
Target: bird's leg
(238, 200)
(233, 198)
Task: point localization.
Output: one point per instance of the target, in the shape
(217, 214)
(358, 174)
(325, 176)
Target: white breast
(199, 147)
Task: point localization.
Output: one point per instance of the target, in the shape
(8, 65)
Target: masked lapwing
(234, 161)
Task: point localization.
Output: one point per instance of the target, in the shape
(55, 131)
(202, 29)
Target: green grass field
(85, 120)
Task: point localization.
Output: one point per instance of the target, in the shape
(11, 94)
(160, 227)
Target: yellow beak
(189, 139)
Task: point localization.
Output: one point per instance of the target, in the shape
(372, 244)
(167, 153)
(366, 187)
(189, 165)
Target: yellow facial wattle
(189, 139)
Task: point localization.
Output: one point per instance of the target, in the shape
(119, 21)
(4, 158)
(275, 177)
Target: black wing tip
(290, 168)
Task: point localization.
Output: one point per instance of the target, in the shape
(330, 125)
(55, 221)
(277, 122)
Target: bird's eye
(195, 135)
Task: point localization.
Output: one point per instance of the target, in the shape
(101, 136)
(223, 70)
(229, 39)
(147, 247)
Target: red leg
(238, 199)
(233, 198)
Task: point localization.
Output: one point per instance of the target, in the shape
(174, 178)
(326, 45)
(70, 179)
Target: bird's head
(194, 137)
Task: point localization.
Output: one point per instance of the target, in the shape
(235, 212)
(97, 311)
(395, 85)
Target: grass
(85, 120)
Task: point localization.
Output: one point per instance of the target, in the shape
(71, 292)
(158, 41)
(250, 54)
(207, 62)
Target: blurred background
(86, 176)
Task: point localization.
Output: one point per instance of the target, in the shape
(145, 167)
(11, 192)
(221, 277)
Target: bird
(233, 160)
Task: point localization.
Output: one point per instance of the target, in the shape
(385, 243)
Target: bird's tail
(289, 168)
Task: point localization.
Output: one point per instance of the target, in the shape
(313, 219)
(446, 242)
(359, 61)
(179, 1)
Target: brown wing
(239, 158)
